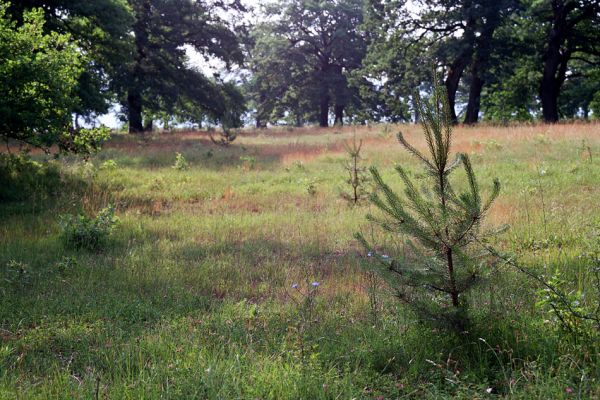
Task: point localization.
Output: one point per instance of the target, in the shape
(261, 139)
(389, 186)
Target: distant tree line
(502, 60)
(294, 61)
(129, 52)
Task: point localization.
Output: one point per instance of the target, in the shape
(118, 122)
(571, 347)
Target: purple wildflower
(295, 286)
(315, 284)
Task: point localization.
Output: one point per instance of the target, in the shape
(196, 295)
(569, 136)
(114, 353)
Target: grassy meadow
(193, 297)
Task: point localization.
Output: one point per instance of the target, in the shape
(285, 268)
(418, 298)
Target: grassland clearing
(193, 298)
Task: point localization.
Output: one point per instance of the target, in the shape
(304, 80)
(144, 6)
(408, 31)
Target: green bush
(21, 178)
(181, 163)
(83, 232)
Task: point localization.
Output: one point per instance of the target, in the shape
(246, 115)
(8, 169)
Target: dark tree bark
(416, 110)
(324, 110)
(555, 60)
(134, 92)
(458, 66)
(260, 124)
(339, 115)
(134, 111)
(472, 114)
(481, 63)
(453, 79)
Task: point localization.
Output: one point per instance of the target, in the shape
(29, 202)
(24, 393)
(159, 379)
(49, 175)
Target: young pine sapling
(357, 174)
(441, 263)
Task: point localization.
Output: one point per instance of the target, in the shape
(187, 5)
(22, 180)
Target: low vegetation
(231, 279)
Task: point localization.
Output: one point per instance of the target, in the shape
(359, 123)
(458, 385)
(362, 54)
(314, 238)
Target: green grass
(192, 297)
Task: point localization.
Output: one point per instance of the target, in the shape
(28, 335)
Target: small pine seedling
(440, 264)
(357, 174)
(181, 163)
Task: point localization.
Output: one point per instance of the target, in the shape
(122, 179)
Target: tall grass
(192, 297)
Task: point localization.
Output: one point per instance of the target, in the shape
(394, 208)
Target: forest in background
(294, 62)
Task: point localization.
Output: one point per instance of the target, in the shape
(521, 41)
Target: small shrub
(86, 171)
(109, 165)
(83, 232)
(249, 162)
(311, 186)
(66, 264)
(305, 301)
(17, 272)
(181, 163)
(575, 311)
(586, 150)
(299, 165)
(21, 178)
(357, 174)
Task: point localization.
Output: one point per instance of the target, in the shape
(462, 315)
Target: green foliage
(301, 60)
(442, 223)
(595, 105)
(22, 178)
(249, 162)
(311, 186)
(38, 79)
(181, 163)
(575, 311)
(90, 233)
(159, 78)
(39, 74)
(17, 272)
(101, 29)
(109, 165)
(85, 141)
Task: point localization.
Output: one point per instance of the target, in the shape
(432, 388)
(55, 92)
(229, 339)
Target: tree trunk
(549, 98)
(555, 62)
(452, 81)
(480, 64)
(324, 111)
(472, 115)
(455, 73)
(416, 110)
(134, 111)
(550, 87)
(458, 66)
(339, 115)
(134, 92)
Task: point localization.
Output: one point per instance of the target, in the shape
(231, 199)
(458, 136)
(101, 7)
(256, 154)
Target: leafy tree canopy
(39, 74)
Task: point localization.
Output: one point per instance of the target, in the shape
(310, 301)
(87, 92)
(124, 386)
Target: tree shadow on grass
(73, 314)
